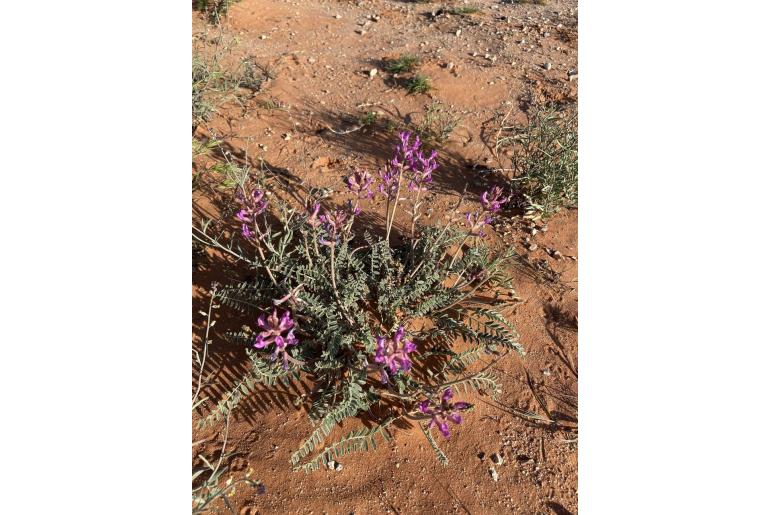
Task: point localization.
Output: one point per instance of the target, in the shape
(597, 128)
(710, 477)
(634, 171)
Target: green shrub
(379, 327)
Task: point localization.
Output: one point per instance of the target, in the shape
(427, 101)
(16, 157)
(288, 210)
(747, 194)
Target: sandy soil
(321, 54)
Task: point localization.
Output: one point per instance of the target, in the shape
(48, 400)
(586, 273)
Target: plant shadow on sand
(375, 142)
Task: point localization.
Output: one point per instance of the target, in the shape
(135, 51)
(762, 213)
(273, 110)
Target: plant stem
(205, 346)
(262, 254)
(395, 205)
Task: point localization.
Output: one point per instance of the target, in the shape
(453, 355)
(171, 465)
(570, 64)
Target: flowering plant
(390, 331)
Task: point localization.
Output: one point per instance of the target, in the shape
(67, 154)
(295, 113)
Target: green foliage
(356, 441)
(419, 84)
(213, 84)
(437, 124)
(404, 63)
(544, 160)
(344, 292)
(207, 484)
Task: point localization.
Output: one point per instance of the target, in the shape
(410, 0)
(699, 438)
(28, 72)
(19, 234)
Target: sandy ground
(321, 54)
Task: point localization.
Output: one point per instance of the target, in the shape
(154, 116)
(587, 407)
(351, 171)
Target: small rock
(372, 72)
(331, 464)
(533, 231)
(311, 60)
(532, 247)
(361, 31)
(321, 162)
(337, 467)
(497, 459)
(286, 136)
(338, 16)
(450, 65)
(480, 456)
(493, 473)
(458, 32)
(262, 37)
(548, 66)
(573, 77)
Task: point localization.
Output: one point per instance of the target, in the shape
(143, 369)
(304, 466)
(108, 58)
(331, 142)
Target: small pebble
(497, 459)
(548, 66)
(372, 72)
(493, 473)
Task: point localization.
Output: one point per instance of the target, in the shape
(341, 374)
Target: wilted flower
(272, 332)
(443, 412)
(312, 219)
(360, 183)
(393, 354)
(476, 222)
(476, 273)
(493, 199)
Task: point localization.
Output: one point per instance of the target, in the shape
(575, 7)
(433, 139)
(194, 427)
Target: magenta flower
(476, 222)
(410, 162)
(253, 204)
(333, 223)
(388, 183)
(273, 330)
(393, 354)
(353, 209)
(443, 412)
(493, 199)
(421, 170)
(360, 183)
(406, 151)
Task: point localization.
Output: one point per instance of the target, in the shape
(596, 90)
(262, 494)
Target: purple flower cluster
(333, 223)
(493, 199)
(253, 204)
(393, 354)
(442, 412)
(360, 183)
(492, 202)
(388, 183)
(409, 161)
(273, 330)
(476, 222)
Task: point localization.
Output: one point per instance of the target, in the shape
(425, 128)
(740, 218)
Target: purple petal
(447, 395)
(261, 322)
(443, 427)
(455, 417)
